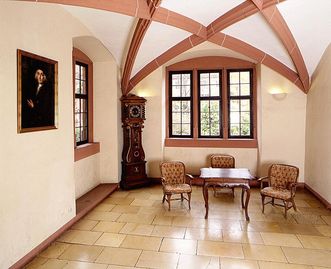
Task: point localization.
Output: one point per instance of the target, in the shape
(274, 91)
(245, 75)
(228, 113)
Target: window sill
(210, 143)
(86, 150)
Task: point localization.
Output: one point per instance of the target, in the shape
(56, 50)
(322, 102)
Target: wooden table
(227, 177)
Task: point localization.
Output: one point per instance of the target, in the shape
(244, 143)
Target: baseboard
(84, 205)
(318, 196)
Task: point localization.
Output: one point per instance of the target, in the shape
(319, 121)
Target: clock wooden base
(134, 175)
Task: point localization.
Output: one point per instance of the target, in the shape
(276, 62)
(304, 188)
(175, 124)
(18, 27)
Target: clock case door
(133, 155)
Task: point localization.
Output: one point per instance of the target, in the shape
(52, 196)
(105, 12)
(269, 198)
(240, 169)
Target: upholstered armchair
(222, 161)
(282, 180)
(174, 181)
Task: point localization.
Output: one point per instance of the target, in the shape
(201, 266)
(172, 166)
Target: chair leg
(168, 200)
(163, 198)
(181, 197)
(263, 198)
(232, 192)
(294, 205)
(286, 208)
(273, 201)
(189, 200)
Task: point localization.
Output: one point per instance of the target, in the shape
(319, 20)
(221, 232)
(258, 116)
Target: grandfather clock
(133, 155)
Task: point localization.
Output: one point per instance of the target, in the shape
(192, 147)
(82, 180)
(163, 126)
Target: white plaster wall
(282, 123)
(37, 193)
(318, 150)
(281, 128)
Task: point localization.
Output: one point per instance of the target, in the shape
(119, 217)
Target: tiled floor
(133, 229)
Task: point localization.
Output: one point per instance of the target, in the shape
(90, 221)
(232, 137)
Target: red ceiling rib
(277, 22)
(258, 3)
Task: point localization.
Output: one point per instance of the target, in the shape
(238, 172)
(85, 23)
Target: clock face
(135, 111)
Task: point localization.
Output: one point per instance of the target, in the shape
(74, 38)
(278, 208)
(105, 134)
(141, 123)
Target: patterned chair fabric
(174, 181)
(282, 181)
(222, 161)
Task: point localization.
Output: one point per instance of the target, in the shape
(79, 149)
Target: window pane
(234, 117)
(234, 77)
(245, 129)
(186, 79)
(83, 105)
(176, 79)
(234, 129)
(205, 124)
(84, 134)
(176, 129)
(186, 106)
(176, 106)
(234, 90)
(245, 77)
(77, 86)
(77, 105)
(204, 78)
(77, 71)
(234, 105)
(83, 87)
(77, 132)
(204, 91)
(77, 120)
(176, 117)
(186, 91)
(176, 91)
(245, 90)
(204, 106)
(186, 118)
(84, 119)
(214, 90)
(244, 117)
(245, 105)
(214, 78)
(186, 129)
(214, 106)
(83, 73)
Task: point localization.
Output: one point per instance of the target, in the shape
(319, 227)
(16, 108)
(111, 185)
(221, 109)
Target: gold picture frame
(37, 92)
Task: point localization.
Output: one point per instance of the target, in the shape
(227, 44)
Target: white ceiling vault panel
(255, 31)
(205, 11)
(310, 24)
(112, 29)
(158, 39)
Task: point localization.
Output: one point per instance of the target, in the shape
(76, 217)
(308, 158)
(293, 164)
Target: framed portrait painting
(36, 92)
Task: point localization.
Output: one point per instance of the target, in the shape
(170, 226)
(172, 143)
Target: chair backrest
(281, 175)
(173, 172)
(222, 161)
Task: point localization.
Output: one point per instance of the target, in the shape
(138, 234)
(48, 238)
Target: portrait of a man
(37, 92)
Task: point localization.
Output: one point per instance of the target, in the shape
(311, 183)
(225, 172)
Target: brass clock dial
(135, 111)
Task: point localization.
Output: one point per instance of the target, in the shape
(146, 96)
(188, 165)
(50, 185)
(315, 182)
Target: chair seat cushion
(177, 188)
(277, 193)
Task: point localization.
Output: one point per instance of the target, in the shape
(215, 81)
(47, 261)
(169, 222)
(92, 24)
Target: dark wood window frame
(205, 64)
(91, 147)
(172, 98)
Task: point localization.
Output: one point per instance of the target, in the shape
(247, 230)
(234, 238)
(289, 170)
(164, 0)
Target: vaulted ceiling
(288, 36)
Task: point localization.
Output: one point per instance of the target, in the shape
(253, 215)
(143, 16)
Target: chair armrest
(163, 180)
(261, 180)
(190, 178)
(292, 187)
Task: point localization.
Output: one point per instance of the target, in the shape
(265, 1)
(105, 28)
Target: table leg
(248, 195)
(205, 197)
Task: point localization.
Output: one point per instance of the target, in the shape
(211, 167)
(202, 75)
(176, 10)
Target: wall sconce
(278, 93)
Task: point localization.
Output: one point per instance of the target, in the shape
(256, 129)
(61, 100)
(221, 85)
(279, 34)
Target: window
(180, 104)
(81, 103)
(240, 101)
(83, 106)
(211, 103)
(210, 106)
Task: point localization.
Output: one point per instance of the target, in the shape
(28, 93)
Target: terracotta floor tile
(110, 240)
(204, 234)
(152, 259)
(279, 239)
(85, 265)
(85, 225)
(162, 220)
(315, 242)
(54, 250)
(109, 226)
(104, 207)
(242, 237)
(327, 219)
(263, 253)
(169, 231)
(182, 246)
(308, 256)
(53, 264)
(142, 242)
(81, 253)
(142, 202)
(195, 262)
(212, 248)
(136, 218)
(118, 200)
(277, 265)
(305, 229)
(125, 209)
(227, 263)
(137, 229)
(119, 256)
(324, 229)
(261, 226)
(36, 262)
(105, 216)
(80, 237)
